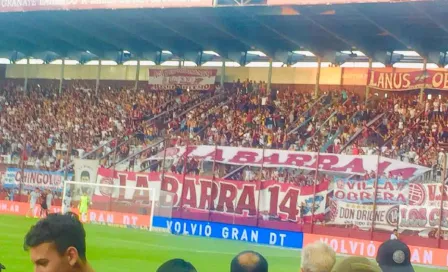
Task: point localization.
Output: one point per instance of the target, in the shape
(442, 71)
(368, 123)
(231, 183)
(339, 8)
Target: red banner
(185, 78)
(13, 5)
(402, 81)
(265, 204)
(93, 216)
(365, 248)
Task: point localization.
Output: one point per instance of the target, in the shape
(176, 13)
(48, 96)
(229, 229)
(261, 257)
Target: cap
(176, 265)
(394, 256)
(355, 264)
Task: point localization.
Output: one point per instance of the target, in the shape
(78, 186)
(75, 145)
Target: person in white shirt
(394, 235)
(66, 206)
(49, 200)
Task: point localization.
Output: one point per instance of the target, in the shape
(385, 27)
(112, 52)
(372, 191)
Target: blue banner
(34, 178)
(230, 232)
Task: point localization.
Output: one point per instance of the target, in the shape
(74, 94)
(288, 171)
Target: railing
(359, 131)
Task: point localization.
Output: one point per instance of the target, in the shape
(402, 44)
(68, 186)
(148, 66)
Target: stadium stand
(315, 123)
(336, 122)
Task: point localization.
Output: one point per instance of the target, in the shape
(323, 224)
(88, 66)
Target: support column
(269, 77)
(27, 67)
(61, 78)
(223, 73)
(137, 76)
(422, 90)
(367, 85)
(316, 87)
(98, 77)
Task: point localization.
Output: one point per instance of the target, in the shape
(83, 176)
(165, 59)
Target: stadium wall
(286, 75)
(336, 76)
(298, 79)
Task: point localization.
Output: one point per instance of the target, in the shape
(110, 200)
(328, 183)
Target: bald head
(249, 261)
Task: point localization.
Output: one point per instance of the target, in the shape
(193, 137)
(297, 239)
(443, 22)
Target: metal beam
(153, 43)
(299, 44)
(74, 43)
(404, 41)
(439, 23)
(113, 43)
(305, 12)
(231, 33)
(38, 46)
(157, 21)
(200, 46)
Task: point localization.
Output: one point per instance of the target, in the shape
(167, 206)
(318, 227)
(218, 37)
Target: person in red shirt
(355, 150)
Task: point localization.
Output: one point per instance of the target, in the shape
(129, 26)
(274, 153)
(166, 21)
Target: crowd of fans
(40, 124)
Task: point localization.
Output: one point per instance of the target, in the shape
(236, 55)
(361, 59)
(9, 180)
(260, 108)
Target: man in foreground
(318, 257)
(57, 243)
(355, 264)
(249, 261)
(176, 265)
(394, 256)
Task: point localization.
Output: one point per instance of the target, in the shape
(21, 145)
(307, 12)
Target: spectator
(249, 261)
(355, 264)
(394, 235)
(176, 265)
(394, 256)
(318, 257)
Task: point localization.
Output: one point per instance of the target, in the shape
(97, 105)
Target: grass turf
(115, 249)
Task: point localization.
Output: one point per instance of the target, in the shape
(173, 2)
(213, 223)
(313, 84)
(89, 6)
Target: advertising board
(230, 232)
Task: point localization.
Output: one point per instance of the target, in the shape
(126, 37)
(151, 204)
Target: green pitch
(117, 250)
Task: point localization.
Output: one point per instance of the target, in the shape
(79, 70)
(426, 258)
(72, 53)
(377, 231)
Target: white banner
(86, 171)
(185, 78)
(424, 209)
(336, 163)
(362, 215)
(390, 191)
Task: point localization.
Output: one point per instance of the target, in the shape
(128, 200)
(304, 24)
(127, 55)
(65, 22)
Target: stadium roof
(376, 29)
